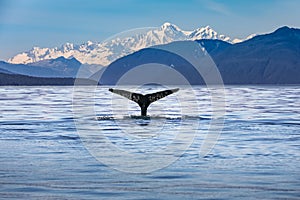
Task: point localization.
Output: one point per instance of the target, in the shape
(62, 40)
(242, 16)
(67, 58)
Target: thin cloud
(217, 7)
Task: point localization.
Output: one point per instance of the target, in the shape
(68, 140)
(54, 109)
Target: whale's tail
(143, 100)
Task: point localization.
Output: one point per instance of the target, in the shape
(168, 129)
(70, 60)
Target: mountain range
(265, 59)
(272, 58)
(104, 53)
(59, 68)
(59, 71)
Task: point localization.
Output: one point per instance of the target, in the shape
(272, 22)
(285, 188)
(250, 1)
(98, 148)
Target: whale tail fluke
(129, 95)
(143, 100)
(161, 94)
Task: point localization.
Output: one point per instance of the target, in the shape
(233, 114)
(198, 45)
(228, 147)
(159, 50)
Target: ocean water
(55, 147)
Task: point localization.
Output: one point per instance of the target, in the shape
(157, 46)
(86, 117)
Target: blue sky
(49, 23)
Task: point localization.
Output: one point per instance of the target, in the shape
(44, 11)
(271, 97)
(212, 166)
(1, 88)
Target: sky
(49, 23)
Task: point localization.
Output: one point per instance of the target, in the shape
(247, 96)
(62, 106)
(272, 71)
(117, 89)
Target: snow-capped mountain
(106, 52)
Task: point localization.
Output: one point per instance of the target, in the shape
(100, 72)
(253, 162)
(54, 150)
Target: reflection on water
(257, 156)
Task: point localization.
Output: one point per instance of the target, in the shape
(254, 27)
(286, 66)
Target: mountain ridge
(104, 53)
(272, 58)
(59, 68)
(23, 80)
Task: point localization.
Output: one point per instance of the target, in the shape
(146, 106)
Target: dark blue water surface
(257, 156)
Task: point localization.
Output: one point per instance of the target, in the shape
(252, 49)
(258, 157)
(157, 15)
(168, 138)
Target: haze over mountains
(272, 58)
(103, 53)
(59, 68)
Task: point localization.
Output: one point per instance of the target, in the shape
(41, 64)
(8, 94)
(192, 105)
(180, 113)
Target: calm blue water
(43, 156)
